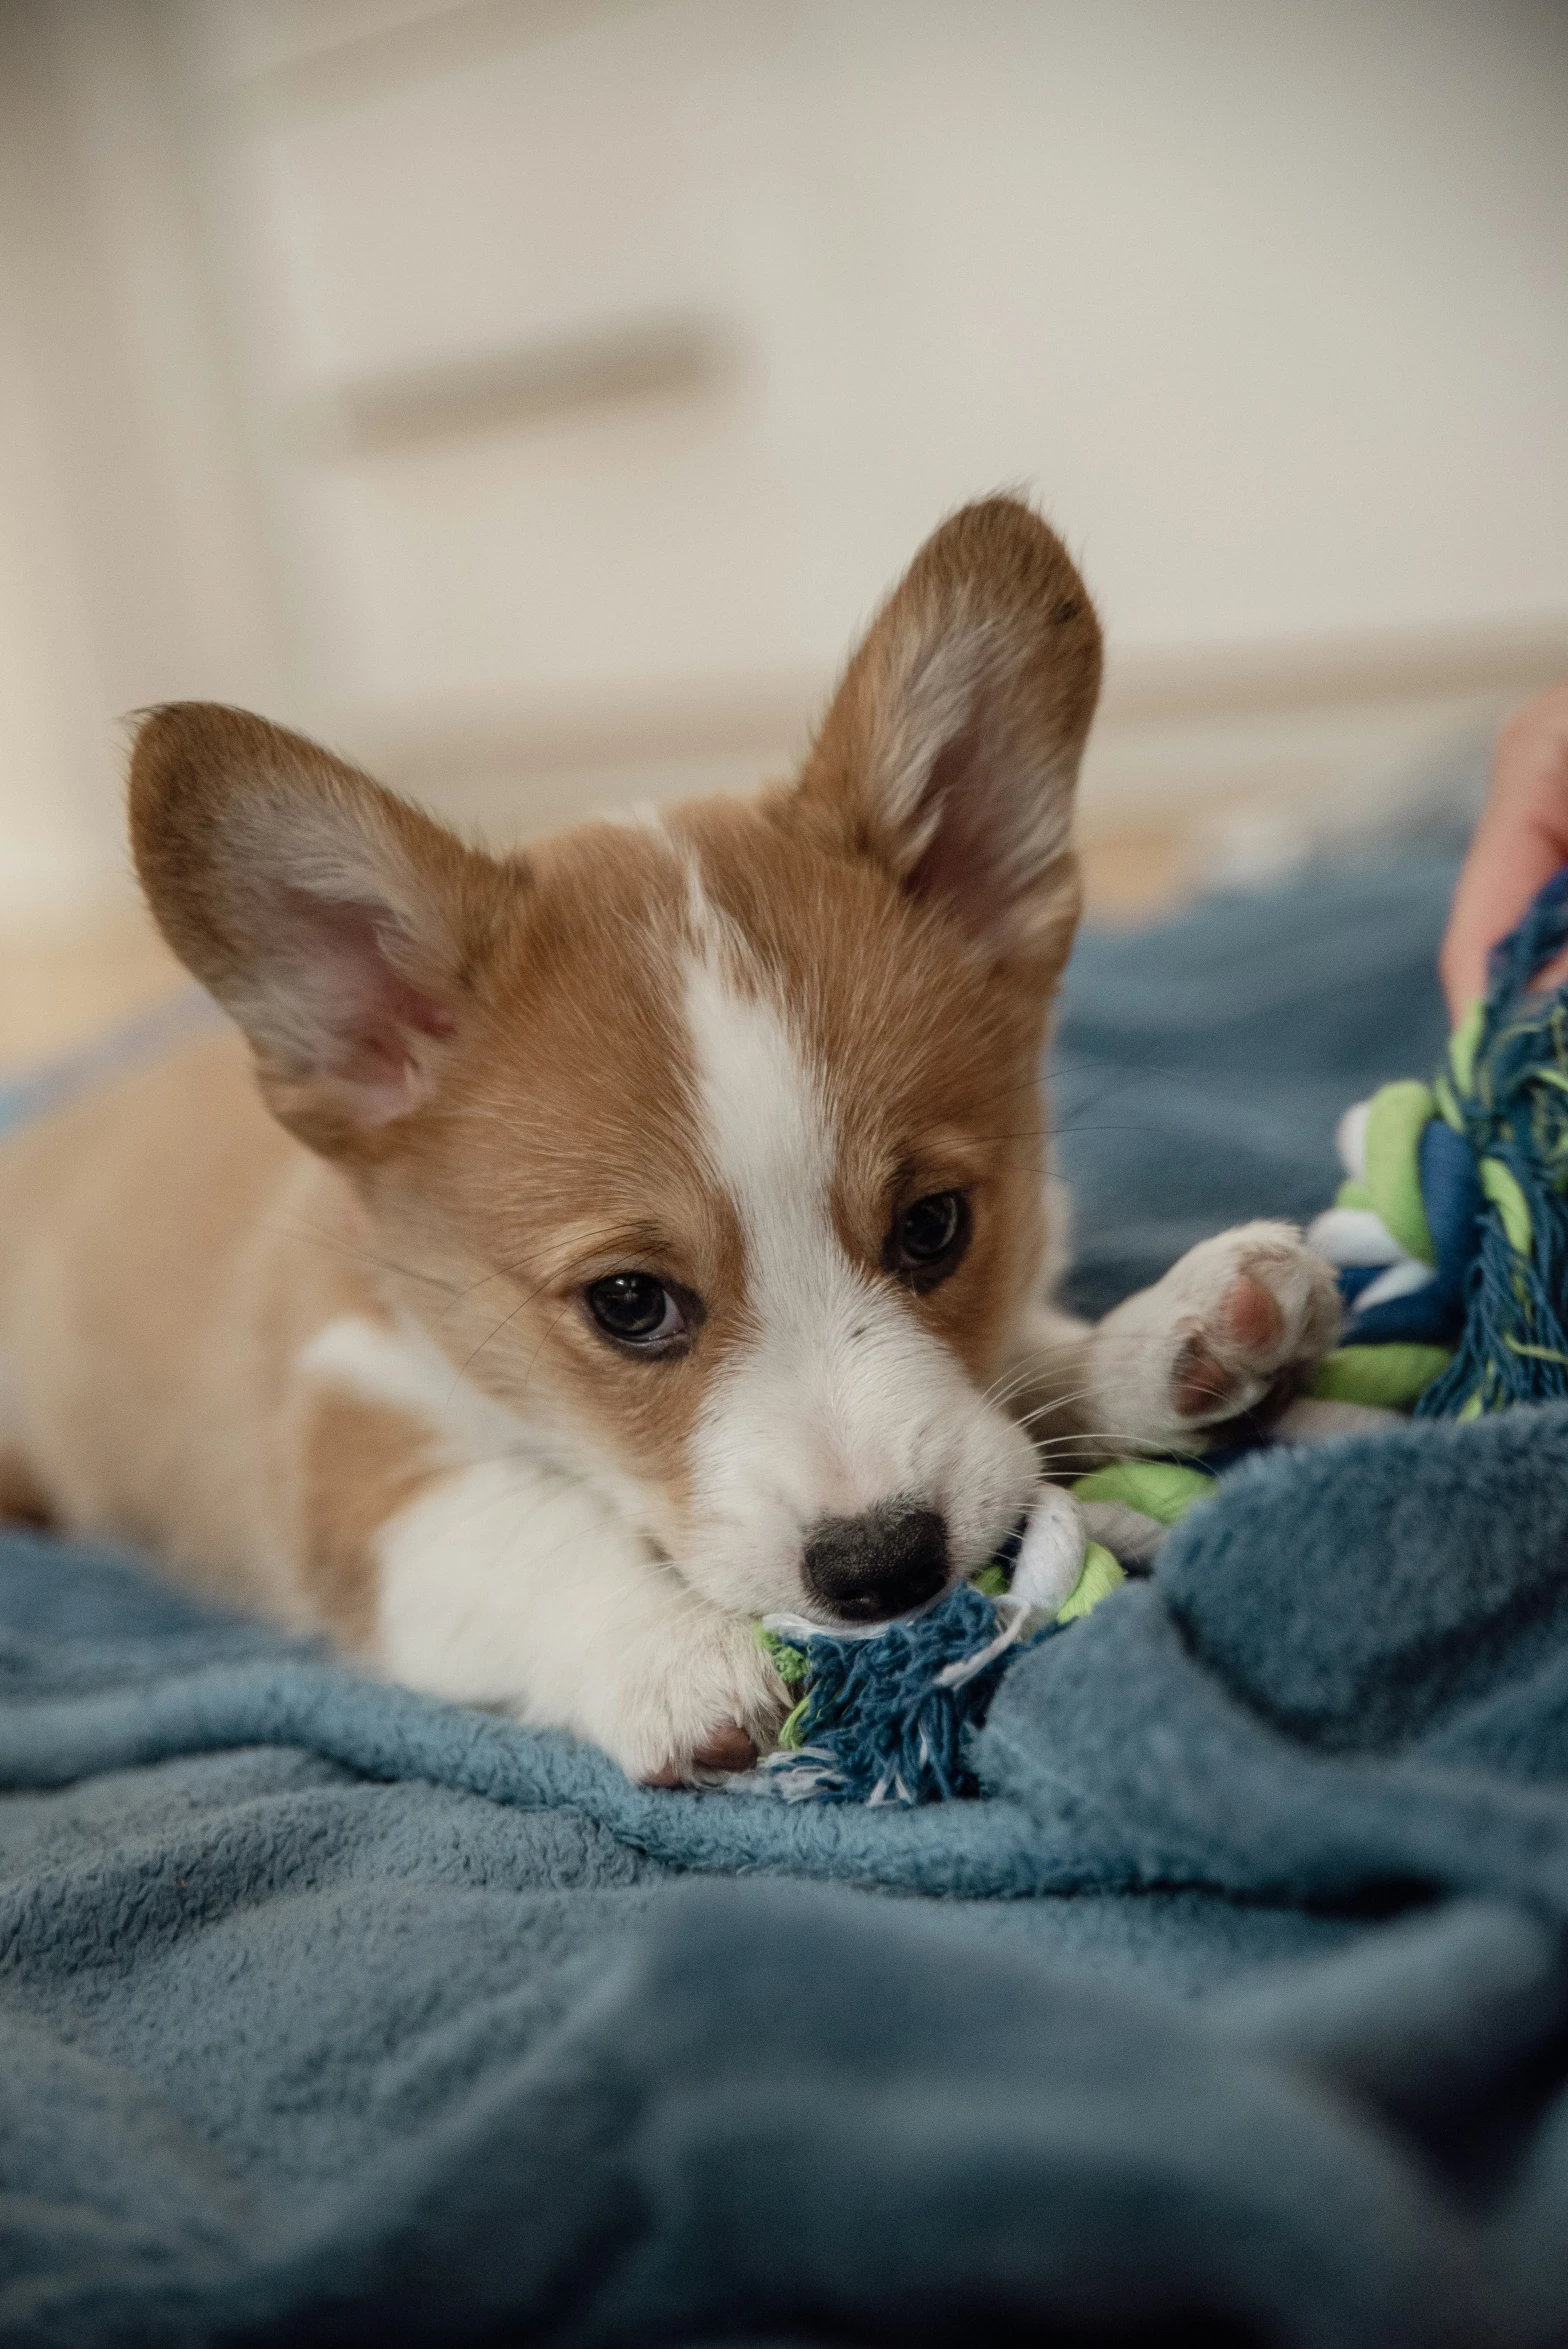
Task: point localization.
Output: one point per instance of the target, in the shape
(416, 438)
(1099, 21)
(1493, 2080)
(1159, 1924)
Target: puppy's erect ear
(951, 749)
(339, 926)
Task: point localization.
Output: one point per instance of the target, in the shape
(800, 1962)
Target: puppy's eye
(928, 1238)
(635, 1309)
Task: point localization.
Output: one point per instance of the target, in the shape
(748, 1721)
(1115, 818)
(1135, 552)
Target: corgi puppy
(579, 1253)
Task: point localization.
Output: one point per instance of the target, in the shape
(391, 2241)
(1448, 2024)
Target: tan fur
(153, 1312)
(357, 1465)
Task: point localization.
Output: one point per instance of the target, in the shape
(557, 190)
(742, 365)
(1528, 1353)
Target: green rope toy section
(1393, 1375)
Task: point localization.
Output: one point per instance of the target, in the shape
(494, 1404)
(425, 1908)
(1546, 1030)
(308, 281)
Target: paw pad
(1252, 1316)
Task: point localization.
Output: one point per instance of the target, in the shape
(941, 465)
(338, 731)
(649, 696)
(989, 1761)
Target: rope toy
(1450, 1234)
(884, 1716)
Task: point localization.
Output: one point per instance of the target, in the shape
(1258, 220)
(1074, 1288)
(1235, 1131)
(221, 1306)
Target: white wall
(133, 540)
(50, 849)
(1263, 298)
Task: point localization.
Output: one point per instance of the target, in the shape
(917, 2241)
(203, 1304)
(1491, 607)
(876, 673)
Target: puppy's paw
(1258, 1303)
(1235, 1319)
(694, 1705)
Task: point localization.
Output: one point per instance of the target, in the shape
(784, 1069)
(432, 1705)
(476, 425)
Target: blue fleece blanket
(1236, 2012)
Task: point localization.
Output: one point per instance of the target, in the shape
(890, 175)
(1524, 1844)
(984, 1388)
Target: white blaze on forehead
(777, 1410)
(819, 1325)
(766, 1127)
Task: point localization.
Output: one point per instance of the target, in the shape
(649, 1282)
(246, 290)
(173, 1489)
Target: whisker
(319, 1239)
(1028, 1378)
(1057, 1403)
(533, 1359)
(1100, 1435)
(505, 1322)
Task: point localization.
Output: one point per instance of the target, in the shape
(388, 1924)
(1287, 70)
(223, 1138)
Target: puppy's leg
(1235, 1317)
(503, 1583)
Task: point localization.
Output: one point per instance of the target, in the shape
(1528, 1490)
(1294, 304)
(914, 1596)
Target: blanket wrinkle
(1235, 2011)
(1348, 1660)
(1033, 2094)
(1442, 2015)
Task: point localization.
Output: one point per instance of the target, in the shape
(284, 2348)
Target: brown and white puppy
(648, 1232)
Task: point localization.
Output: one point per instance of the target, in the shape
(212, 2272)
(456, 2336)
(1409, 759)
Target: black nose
(866, 1569)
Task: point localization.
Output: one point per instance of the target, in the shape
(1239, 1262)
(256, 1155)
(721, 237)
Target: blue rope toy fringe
(887, 1719)
(885, 1716)
(1513, 1113)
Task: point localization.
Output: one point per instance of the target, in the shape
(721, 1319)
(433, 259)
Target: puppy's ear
(951, 749)
(339, 926)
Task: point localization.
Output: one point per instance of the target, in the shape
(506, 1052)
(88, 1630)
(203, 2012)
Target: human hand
(1521, 840)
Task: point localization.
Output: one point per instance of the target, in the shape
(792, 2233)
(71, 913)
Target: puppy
(581, 1253)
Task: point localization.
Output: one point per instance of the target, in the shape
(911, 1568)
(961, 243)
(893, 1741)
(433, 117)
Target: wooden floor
(1137, 870)
(63, 987)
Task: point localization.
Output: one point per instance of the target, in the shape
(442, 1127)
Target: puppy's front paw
(1259, 1304)
(1235, 1318)
(698, 1703)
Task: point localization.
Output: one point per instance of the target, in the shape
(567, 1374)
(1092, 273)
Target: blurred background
(531, 397)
